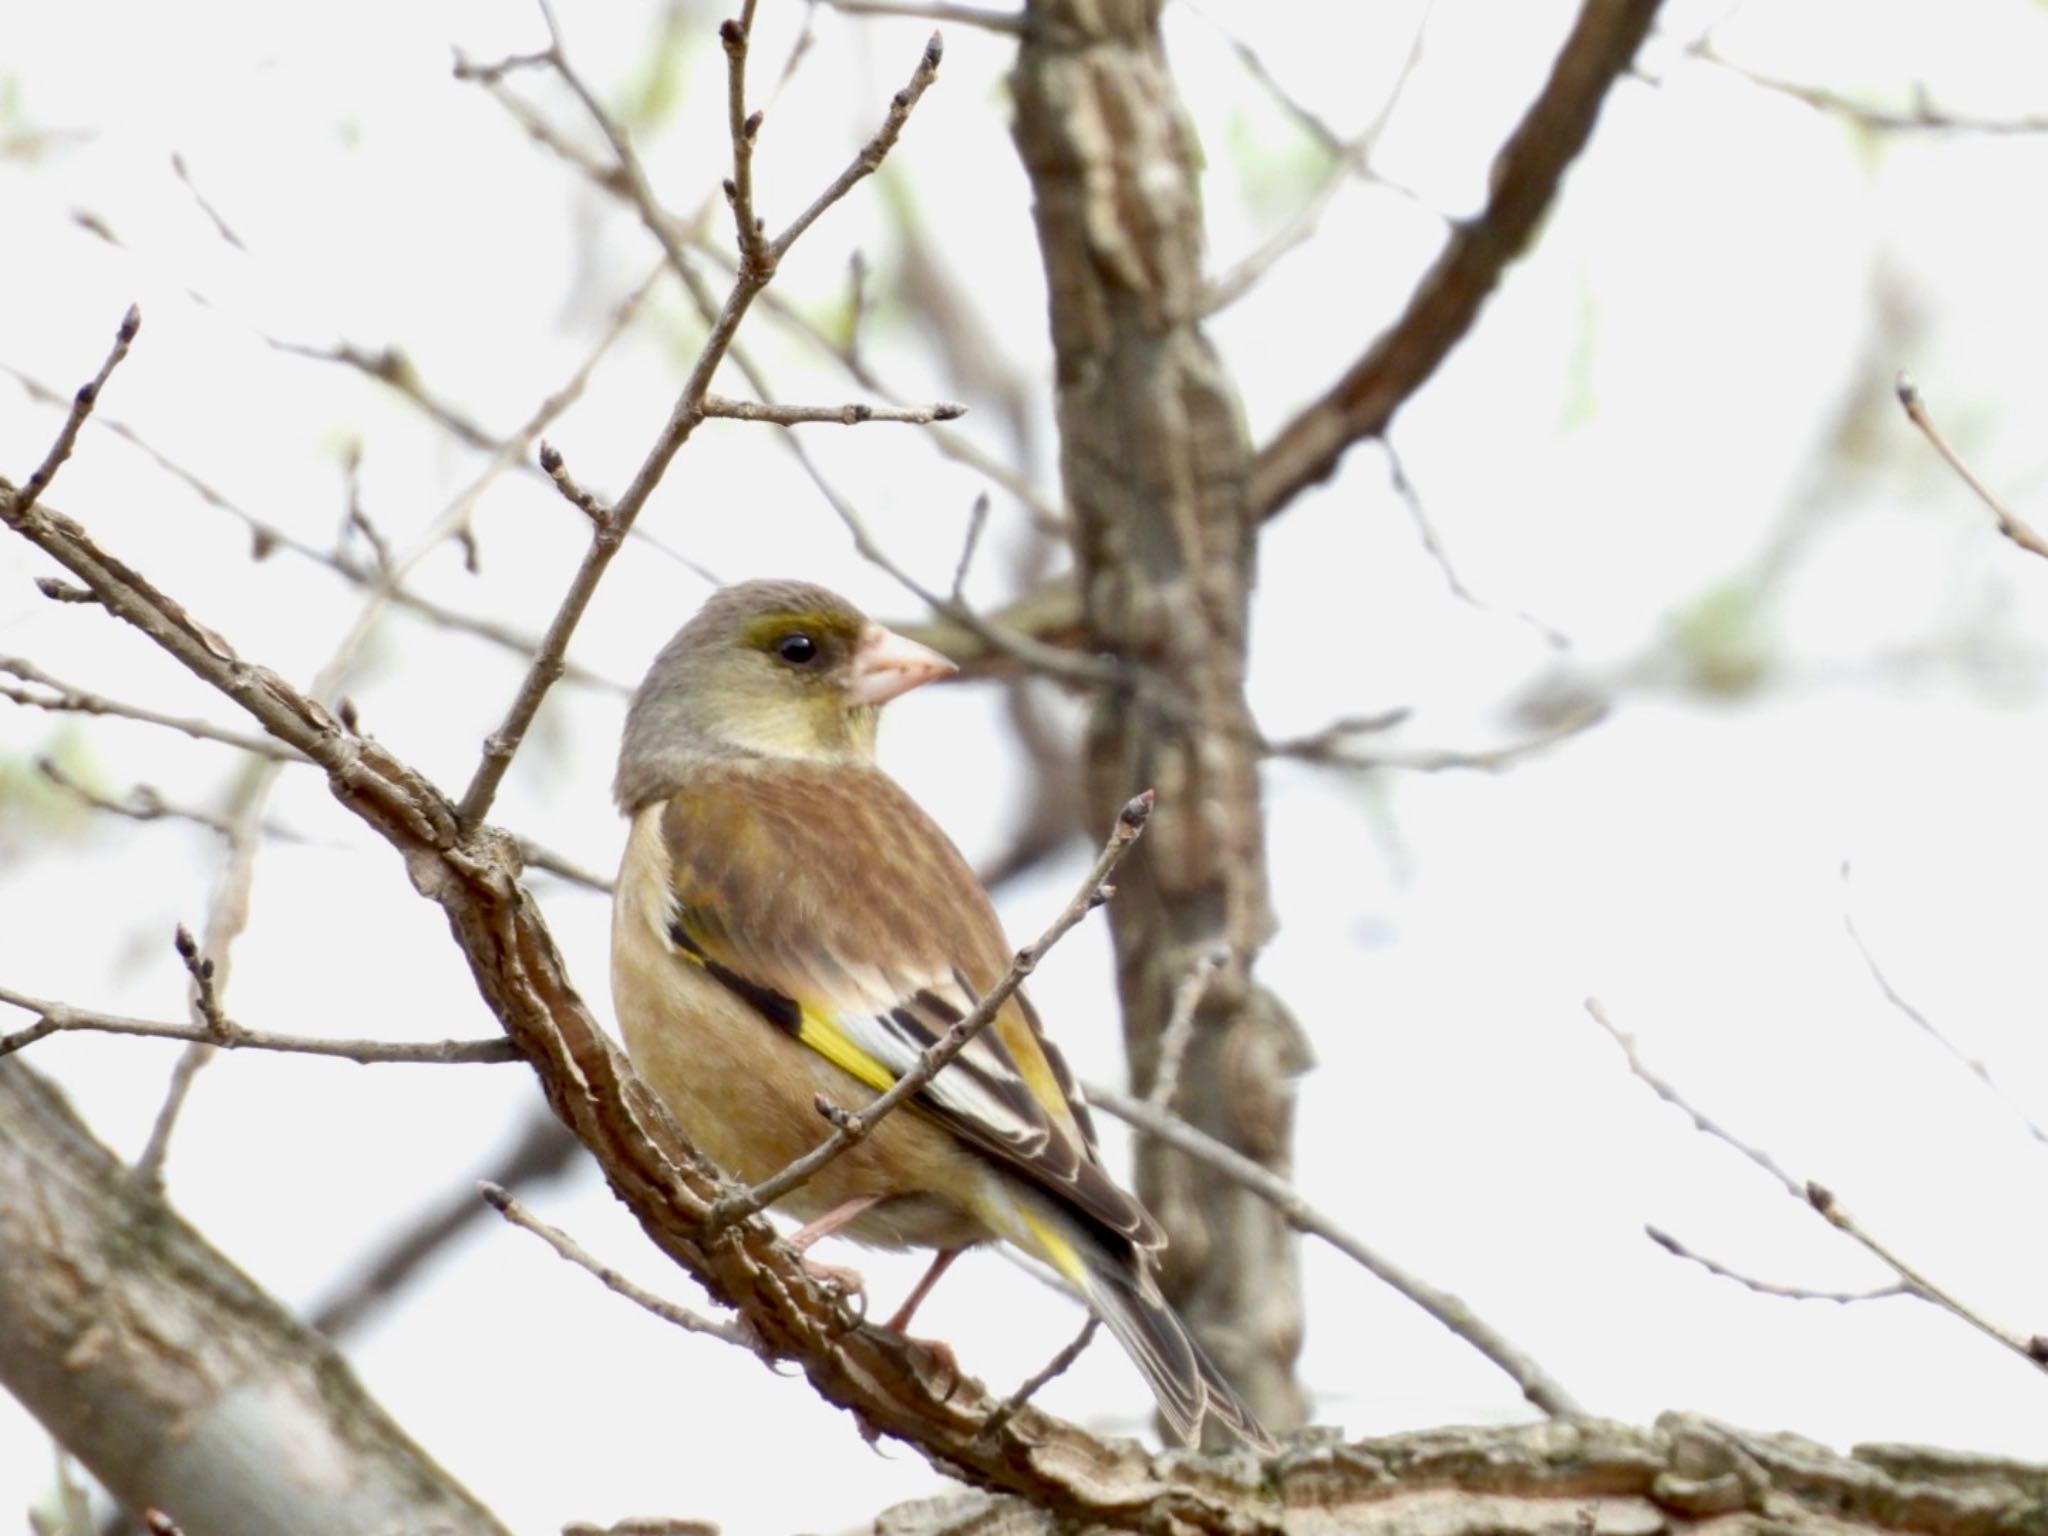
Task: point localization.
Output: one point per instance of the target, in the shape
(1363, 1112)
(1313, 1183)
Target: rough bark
(168, 1373)
(1156, 464)
(1689, 1474)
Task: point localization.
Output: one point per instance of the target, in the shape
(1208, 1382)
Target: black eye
(796, 649)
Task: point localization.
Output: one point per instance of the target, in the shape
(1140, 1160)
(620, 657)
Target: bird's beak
(886, 665)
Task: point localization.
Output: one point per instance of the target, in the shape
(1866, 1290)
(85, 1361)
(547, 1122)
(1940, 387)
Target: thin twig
(742, 127)
(557, 468)
(567, 1247)
(1535, 1383)
(1676, 1249)
(627, 180)
(221, 226)
(1922, 116)
(869, 159)
(1332, 745)
(844, 415)
(205, 999)
(1446, 302)
(81, 407)
(1433, 546)
(1180, 1026)
(1670, 1095)
(1070, 667)
(1927, 1026)
(534, 856)
(54, 1018)
(2012, 526)
(1820, 1199)
(265, 538)
(64, 698)
(544, 1149)
(1057, 1366)
(854, 1126)
(144, 802)
(977, 524)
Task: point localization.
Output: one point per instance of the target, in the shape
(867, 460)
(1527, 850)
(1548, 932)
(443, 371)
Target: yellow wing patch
(830, 1042)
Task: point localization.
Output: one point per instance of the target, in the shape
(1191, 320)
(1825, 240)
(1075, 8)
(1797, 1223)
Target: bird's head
(772, 669)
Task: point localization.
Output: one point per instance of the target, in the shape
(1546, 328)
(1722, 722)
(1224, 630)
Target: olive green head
(769, 669)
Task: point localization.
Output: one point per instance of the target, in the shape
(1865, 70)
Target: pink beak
(885, 665)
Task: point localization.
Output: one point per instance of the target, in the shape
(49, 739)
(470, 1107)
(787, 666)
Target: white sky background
(1677, 405)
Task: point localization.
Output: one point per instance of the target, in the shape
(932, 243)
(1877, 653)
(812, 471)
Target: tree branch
(1525, 179)
(1820, 1199)
(157, 1363)
(55, 1018)
(2012, 526)
(1535, 1383)
(843, 415)
(499, 1200)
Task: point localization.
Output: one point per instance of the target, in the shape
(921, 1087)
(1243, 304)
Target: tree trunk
(177, 1382)
(1156, 462)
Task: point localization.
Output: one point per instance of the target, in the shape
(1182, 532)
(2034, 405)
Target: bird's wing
(829, 901)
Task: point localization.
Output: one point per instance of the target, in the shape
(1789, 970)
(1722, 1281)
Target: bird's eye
(796, 649)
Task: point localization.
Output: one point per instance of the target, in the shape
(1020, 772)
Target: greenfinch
(789, 925)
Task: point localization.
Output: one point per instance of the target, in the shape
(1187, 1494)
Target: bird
(789, 925)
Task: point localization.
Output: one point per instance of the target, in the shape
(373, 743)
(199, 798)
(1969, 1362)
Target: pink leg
(942, 1262)
(830, 1222)
(847, 1280)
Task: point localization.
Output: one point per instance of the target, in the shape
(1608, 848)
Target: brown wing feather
(871, 908)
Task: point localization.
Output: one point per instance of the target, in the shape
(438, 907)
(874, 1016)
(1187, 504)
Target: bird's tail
(1184, 1380)
(1121, 1290)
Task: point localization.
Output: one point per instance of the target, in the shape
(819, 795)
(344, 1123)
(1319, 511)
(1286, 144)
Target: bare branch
(557, 469)
(1670, 1095)
(854, 1126)
(741, 127)
(1034, 655)
(1928, 1027)
(81, 407)
(64, 698)
(1180, 1027)
(1676, 1249)
(1536, 1384)
(1525, 179)
(265, 538)
(1819, 1198)
(144, 802)
(843, 415)
(869, 159)
(977, 525)
(1922, 116)
(53, 1018)
(543, 1149)
(1332, 745)
(534, 856)
(1432, 544)
(567, 1247)
(1056, 1367)
(2013, 527)
(625, 179)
